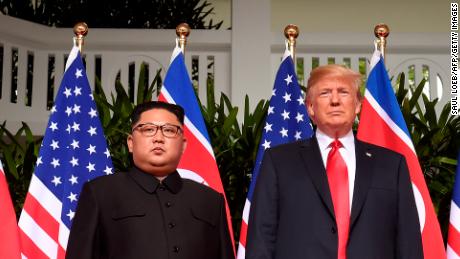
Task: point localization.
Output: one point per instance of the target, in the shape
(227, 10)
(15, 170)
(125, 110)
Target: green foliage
(19, 152)
(435, 141)
(152, 14)
(235, 146)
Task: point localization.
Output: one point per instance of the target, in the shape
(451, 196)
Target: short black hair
(147, 106)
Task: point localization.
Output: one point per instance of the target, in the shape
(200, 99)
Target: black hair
(147, 106)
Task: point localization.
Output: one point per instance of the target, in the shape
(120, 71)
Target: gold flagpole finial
(381, 31)
(81, 30)
(182, 31)
(291, 32)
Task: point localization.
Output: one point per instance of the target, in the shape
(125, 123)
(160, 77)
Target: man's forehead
(334, 83)
(159, 115)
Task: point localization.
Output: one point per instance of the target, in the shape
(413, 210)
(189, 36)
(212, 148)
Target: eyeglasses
(149, 129)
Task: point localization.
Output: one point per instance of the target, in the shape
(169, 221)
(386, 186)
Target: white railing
(108, 52)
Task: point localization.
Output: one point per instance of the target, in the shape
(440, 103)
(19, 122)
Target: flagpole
(183, 31)
(291, 32)
(81, 30)
(381, 32)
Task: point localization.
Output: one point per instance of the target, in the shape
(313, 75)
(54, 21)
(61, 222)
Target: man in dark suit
(150, 211)
(333, 196)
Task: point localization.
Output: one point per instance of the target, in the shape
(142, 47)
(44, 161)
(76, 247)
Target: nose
(158, 137)
(335, 98)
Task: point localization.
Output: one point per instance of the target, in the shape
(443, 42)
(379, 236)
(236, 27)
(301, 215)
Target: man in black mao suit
(150, 211)
(293, 211)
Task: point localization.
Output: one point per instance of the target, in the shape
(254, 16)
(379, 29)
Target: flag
(73, 151)
(286, 121)
(453, 239)
(382, 124)
(9, 235)
(198, 162)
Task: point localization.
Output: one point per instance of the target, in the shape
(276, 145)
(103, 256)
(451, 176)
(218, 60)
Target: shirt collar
(150, 183)
(324, 140)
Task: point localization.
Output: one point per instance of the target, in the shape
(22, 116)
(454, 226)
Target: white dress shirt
(347, 151)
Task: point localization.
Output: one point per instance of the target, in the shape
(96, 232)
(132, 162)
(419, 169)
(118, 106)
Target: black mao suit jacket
(292, 214)
(131, 215)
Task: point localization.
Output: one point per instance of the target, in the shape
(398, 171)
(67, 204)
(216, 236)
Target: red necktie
(337, 176)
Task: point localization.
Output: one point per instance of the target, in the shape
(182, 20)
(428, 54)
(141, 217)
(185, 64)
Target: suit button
(176, 249)
(168, 204)
(333, 230)
(171, 225)
(161, 188)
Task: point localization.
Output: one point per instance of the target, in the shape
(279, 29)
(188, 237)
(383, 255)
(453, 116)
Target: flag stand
(182, 31)
(381, 32)
(291, 32)
(81, 30)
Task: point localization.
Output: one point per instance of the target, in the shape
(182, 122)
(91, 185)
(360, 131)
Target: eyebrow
(157, 124)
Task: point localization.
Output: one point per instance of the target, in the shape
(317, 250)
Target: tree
(150, 14)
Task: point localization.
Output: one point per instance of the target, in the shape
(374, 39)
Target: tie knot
(336, 144)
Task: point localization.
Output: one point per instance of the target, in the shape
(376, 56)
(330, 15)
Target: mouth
(335, 113)
(158, 150)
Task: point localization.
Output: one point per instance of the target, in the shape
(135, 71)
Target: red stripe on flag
(243, 233)
(454, 239)
(9, 235)
(61, 252)
(29, 249)
(204, 164)
(377, 132)
(42, 217)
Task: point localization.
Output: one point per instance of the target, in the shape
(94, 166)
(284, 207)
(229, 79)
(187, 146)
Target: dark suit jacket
(292, 215)
(132, 216)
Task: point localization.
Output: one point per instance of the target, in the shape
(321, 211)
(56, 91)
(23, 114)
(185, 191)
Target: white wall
(350, 15)
(246, 58)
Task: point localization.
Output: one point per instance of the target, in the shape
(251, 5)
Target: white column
(251, 43)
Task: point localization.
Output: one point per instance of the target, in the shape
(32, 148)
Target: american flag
(198, 162)
(453, 239)
(286, 121)
(382, 124)
(73, 151)
(9, 235)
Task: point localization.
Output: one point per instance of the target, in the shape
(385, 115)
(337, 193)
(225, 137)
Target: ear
(311, 112)
(358, 107)
(129, 141)
(184, 145)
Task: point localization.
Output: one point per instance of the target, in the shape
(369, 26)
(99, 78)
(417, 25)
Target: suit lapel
(314, 163)
(363, 177)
